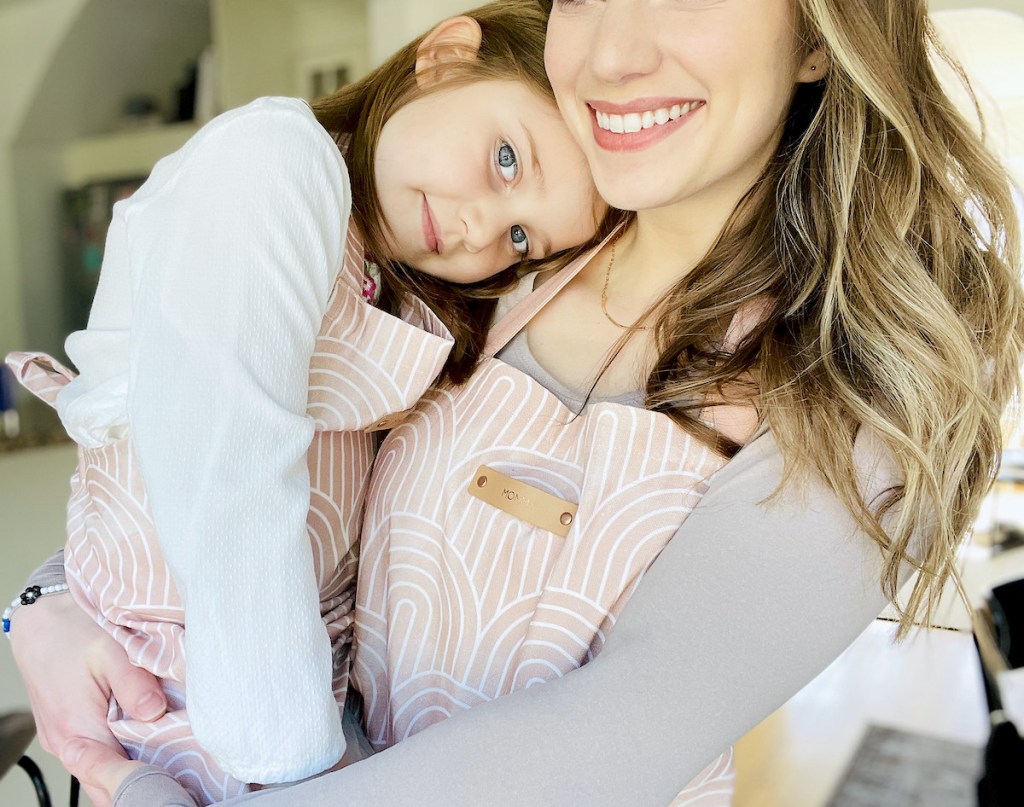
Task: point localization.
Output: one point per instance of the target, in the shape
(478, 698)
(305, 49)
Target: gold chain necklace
(604, 295)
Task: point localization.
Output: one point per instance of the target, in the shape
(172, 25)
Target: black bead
(31, 594)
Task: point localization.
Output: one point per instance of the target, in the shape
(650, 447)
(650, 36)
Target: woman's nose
(625, 43)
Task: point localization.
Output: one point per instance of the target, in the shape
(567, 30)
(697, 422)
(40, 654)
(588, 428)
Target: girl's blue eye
(520, 243)
(508, 164)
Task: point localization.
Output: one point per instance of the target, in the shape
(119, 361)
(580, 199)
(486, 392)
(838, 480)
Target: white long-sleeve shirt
(215, 281)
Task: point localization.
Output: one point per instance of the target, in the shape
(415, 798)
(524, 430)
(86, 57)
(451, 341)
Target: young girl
(234, 363)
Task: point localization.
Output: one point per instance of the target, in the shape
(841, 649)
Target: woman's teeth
(635, 121)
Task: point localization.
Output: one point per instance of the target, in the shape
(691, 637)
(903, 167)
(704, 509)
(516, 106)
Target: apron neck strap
(526, 309)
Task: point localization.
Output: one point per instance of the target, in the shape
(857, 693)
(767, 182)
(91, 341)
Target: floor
(795, 758)
(929, 685)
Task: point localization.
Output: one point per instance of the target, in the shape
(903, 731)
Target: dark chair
(999, 639)
(17, 731)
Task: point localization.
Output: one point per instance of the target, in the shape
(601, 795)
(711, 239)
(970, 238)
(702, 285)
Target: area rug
(893, 768)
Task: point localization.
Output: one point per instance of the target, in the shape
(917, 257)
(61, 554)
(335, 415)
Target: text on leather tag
(523, 501)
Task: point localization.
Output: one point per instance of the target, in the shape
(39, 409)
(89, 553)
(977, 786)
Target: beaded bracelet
(27, 597)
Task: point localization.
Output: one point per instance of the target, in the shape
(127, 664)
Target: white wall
(100, 52)
(395, 23)
(263, 44)
(30, 34)
(990, 48)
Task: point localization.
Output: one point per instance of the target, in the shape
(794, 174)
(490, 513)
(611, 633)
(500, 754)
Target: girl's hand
(71, 666)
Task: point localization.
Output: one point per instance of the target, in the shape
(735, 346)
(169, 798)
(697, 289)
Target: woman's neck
(665, 244)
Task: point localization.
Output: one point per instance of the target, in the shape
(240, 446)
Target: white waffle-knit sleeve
(234, 246)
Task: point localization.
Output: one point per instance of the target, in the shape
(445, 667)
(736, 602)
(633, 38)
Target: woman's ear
(814, 67)
(450, 42)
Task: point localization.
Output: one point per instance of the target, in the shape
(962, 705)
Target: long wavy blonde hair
(884, 234)
(903, 255)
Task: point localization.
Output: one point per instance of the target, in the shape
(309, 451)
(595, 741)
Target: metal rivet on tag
(566, 519)
(481, 481)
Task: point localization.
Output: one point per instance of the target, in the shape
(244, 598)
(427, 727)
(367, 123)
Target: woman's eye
(520, 243)
(507, 162)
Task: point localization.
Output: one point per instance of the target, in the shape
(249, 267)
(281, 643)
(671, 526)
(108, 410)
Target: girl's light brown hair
(511, 49)
(884, 235)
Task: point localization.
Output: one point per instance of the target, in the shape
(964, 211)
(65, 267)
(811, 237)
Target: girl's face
(676, 100)
(476, 177)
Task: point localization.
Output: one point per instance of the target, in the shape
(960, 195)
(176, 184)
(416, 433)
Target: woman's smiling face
(475, 177)
(673, 100)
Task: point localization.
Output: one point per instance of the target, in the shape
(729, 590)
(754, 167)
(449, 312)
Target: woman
(819, 173)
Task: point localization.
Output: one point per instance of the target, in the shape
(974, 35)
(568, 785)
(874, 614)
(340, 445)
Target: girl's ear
(814, 67)
(452, 41)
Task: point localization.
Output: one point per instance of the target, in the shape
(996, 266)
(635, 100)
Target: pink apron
(504, 534)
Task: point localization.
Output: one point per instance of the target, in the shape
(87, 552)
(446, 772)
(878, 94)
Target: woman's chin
(627, 194)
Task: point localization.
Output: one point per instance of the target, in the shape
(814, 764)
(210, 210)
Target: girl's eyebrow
(533, 159)
(545, 243)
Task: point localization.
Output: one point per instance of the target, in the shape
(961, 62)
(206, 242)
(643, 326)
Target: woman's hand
(107, 771)
(71, 666)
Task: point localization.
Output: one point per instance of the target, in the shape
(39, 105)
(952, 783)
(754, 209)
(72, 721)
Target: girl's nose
(625, 43)
(483, 225)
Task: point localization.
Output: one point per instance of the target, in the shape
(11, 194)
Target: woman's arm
(71, 666)
(72, 672)
(50, 573)
(746, 605)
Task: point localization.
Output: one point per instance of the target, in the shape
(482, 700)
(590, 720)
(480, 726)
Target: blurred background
(94, 92)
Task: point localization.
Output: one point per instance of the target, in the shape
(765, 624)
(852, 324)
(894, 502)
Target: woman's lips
(662, 117)
(430, 232)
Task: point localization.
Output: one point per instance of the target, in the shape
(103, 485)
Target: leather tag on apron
(523, 501)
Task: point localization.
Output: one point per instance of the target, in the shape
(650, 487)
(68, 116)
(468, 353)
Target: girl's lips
(430, 231)
(635, 141)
